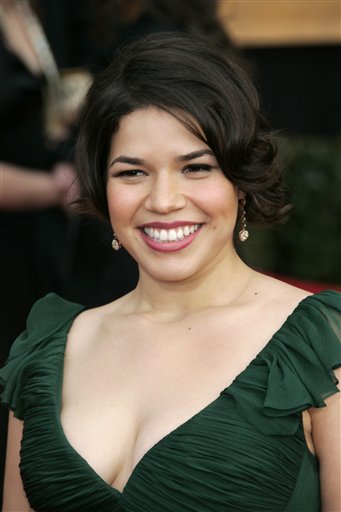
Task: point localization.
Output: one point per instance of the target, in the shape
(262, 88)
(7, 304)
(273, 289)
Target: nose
(165, 194)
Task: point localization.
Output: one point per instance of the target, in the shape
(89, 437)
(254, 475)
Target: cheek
(219, 200)
(115, 204)
(123, 202)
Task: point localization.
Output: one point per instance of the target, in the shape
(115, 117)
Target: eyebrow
(194, 154)
(128, 160)
(182, 158)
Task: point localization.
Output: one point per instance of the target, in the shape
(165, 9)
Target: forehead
(152, 126)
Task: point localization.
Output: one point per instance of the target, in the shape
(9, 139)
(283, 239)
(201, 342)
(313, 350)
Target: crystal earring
(243, 234)
(115, 244)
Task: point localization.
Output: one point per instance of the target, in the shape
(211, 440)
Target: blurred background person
(36, 178)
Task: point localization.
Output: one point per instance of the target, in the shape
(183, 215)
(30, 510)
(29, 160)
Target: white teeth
(163, 235)
(180, 234)
(170, 235)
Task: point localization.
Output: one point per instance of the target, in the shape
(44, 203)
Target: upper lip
(168, 225)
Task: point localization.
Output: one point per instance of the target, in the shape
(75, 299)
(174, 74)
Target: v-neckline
(163, 439)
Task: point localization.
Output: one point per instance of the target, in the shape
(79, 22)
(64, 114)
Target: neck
(169, 301)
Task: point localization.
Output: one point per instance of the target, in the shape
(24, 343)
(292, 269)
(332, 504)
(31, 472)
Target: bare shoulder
(277, 295)
(89, 344)
(89, 325)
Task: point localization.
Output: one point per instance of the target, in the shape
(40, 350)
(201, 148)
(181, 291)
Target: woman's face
(170, 204)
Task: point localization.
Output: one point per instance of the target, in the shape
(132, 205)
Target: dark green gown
(245, 451)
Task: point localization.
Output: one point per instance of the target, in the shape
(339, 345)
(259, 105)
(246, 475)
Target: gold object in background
(281, 22)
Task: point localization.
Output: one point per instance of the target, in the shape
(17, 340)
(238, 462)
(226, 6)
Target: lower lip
(170, 246)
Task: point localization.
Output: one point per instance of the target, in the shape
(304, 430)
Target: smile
(170, 235)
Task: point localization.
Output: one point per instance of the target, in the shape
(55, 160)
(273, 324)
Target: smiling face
(170, 204)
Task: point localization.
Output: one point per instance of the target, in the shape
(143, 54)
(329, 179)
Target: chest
(212, 454)
(133, 390)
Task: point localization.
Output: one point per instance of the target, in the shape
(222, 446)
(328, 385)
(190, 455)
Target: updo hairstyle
(199, 85)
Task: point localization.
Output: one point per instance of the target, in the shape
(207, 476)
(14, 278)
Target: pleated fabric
(245, 451)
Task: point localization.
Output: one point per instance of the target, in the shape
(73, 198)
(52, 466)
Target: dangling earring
(243, 234)
(115, 244)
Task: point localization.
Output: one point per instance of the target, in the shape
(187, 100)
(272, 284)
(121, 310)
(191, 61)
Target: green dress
(245, 451)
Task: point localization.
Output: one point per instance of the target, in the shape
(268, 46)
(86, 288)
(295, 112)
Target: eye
(130, 173)
(198, 169)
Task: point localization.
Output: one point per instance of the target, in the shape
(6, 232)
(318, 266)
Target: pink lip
(169, 246)
(168, 225)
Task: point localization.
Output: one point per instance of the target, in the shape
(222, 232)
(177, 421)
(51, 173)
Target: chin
(172, 274)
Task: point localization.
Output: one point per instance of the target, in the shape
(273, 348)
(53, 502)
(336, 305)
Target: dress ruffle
(47, 317)
(295, 370)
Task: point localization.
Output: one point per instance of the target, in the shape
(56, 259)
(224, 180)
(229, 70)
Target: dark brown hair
(178, 73)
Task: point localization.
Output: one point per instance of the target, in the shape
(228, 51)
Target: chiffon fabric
(245, 451)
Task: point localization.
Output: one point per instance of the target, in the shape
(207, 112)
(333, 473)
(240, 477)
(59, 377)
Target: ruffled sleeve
(295, 370)
(48, 316)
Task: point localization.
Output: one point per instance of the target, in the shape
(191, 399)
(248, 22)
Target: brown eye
(197, 168)
(131, 173)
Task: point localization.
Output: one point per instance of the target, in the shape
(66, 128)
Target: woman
(204, 389)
